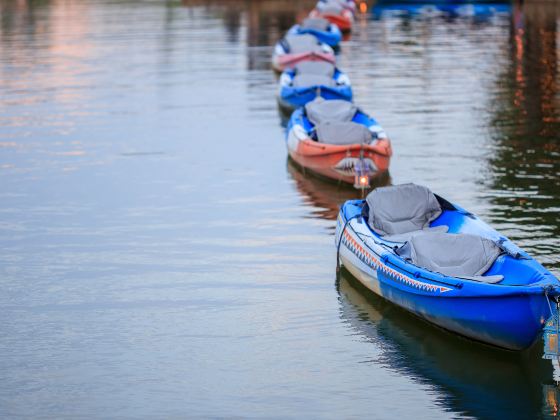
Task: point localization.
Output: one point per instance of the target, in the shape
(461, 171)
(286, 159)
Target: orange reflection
(325, 195)
(535, 64)
(50, 63)
(363, 7)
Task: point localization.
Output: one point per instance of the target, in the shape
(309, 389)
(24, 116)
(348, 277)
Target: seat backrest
(331, 7)
(451, 254)
(333, 110)
(310, 80)
(302, 43)
(401, 208)
(318, 24)
(315, 67)
(343, 133)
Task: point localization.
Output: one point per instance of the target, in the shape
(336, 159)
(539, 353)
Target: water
(161, 257)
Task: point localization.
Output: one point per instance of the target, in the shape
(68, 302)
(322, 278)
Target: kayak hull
(336, 161)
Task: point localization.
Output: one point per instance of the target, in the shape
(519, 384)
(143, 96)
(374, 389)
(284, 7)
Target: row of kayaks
(403, 242)
(326, 132)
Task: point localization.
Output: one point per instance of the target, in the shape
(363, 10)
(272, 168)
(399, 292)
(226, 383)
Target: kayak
(335, 12)
(335, 139)
(320, 28)
(445, 265)
(310, 79)
(478, 10)
(293, 49)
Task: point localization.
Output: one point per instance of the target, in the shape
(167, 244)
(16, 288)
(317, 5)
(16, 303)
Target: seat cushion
(456, 255)
(401, 208)
(298, 44)
(318, 24)
(343, 133)
(315, 67)
(403, 237)
(334, 110)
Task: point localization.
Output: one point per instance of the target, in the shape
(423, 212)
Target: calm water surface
(160, 257)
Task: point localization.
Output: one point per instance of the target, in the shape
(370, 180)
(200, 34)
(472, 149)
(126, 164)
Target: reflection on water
(524, 180)
(326, 196)
(469, 378)
(266, 22)
(160, 257)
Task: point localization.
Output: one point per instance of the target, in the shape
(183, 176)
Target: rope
(556, 320)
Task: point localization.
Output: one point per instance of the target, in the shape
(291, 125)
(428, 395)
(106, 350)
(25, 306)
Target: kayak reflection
(472, 378)
(328, 196)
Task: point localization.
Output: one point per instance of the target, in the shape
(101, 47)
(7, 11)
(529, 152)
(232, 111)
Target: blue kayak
(446, 266)
(310, 79)
(449, 9)
(322, 29)
(383, 3)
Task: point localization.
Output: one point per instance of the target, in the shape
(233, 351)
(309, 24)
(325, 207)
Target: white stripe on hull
(358, 269)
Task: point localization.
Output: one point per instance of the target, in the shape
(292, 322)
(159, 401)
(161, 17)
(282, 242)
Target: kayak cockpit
(335, 122)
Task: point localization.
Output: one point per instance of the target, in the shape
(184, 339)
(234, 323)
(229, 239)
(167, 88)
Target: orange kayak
(337, 162)
(335, 139)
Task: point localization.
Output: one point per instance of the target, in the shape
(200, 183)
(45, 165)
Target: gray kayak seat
(298, 44)
(401, 209)
(315, 67)
(404, 237)
(456, 255)
(309, 80)
(320, 110)
(318, 24)
(331, 7)
(343, 133)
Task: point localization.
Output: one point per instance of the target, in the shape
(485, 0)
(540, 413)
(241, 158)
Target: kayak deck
(516, 266)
